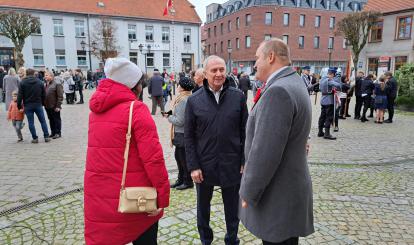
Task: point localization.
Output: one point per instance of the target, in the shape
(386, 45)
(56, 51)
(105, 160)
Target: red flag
(169, 5)
(165, 11)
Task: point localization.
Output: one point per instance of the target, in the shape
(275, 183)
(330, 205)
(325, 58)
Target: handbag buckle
(141, 203)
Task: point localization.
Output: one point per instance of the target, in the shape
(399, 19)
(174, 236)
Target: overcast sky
(201, 6)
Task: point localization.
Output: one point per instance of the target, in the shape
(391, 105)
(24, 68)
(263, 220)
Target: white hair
(210, 58)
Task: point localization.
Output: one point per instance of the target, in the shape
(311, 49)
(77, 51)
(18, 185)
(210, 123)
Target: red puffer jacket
(108, 123)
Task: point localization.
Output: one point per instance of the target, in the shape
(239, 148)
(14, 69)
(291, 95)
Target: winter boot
(320, 133)
(328, 135)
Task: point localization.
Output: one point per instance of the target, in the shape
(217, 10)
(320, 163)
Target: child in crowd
(16, 116)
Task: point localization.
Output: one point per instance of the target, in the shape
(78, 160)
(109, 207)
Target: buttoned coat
(276, 182)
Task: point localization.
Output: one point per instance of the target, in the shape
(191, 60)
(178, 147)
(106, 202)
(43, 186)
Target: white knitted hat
(123, 71)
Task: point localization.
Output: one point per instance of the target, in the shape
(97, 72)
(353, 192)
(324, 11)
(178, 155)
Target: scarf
(183, 95)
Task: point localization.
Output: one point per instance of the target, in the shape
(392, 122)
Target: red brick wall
(257, 30)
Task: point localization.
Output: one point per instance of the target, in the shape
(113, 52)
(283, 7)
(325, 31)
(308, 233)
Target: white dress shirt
(216, 94)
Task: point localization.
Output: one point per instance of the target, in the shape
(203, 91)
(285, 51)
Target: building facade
(307, 26)
(149, 39)
(390, 41)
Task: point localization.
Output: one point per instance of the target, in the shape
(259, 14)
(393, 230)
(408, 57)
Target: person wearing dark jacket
(367, 88)
(32, 94)
(358, 98)
(155, 90)
(53, 103)
(79, 79)
(2, 75)
(214, 134)
(392, 89)
(244, 84)
(198, 79)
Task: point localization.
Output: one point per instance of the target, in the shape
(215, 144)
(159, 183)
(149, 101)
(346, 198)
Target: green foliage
(405, 79)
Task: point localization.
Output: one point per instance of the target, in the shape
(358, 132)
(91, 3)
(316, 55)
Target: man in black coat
(244, 84)
(32, 93)
(367, 88)
(358, 101)
(2, 75)
(155, 90)
(214, 132)
(392, 88)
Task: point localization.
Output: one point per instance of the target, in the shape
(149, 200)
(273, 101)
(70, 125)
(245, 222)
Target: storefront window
(373, 65)
(399, 61)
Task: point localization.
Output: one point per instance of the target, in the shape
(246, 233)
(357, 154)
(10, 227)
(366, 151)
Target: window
(248, 19)
(302, 20)
(317, 21)
(331, 43)
(60, 57)
(221, 47)
(313, 4)
(79, 28)
(229, 26)
(372, 65)
(38, 31)
(268, 18)
(356, 7)
(341, 5)
(58, 27)
(215, 30)
(248, 44)
(237, 23)
(149, 33)
(209, 49)
(404, 27)
(150, 59)
(285, 39)
(82, 58)
(267, 37)
(332, 22)
(301, 41)
(285, 19)
(208, 32)
(221, 29)
(298, 3)
(228, 44)
(237, 43)
(282, 2)
(166, 34)
(187, 35)
(132, 32)
(166, 60)
(133, 57)
(328, 4)
(315, 42)
(38, 57)
(400, 61)
(376, 32)
(344, 43)
(215, 48)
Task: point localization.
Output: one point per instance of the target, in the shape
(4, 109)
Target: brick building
(308, 27)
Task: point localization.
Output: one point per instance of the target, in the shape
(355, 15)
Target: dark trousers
(183, 174)
(157, 101)
(70, 98)
(326, 117)
(337, 112)
(290, 241)
(390, 107)
(55, 121)
(358, 105)
(231, 198)
(149, 237)
(38, 110)
(345, 106)
(81, 94)
(367, 104)
(246, 93)
(348, 100)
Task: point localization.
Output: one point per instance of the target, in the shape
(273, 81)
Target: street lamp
(330, 55)
(229, 50)
(92, 48)
(141, 49)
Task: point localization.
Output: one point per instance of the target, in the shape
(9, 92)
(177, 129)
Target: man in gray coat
(276, 187)
(155, 90)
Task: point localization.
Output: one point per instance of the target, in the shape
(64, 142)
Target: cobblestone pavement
(350, 200)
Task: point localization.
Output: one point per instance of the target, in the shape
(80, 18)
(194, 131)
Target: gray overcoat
(276, 182)
(10, 84)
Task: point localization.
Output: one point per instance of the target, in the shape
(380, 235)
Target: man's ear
(271, 57)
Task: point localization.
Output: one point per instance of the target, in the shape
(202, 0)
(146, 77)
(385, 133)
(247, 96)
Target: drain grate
(39, 201)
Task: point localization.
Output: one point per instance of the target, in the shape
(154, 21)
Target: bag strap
(128, 141)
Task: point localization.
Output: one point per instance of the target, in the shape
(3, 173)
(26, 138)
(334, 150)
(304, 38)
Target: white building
(390, 42)
(174, 41)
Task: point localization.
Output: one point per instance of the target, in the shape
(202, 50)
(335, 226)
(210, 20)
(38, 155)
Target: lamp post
(92, 48)
(141, 48)
(330, 55)
(229, 50)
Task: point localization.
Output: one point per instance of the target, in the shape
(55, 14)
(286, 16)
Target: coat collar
(287, 71)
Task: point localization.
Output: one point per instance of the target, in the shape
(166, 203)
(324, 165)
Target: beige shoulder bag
(135, 199)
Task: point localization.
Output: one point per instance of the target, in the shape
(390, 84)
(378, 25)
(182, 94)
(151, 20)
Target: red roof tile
(387, 6)
(147, 9)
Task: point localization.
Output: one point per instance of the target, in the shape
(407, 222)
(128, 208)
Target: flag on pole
(169, 5)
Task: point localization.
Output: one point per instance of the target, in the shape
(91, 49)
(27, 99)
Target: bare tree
(17, 26)
(104, 36)
(355, 27)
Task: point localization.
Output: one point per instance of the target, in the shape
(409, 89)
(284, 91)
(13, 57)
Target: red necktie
(259, 93)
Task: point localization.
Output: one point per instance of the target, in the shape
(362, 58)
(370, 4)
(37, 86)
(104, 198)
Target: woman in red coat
(108, 123)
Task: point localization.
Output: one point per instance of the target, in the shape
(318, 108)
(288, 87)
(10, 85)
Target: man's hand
(155, 212)
(57, 109)
(244, 203)
(197, 176)
(242, 169)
